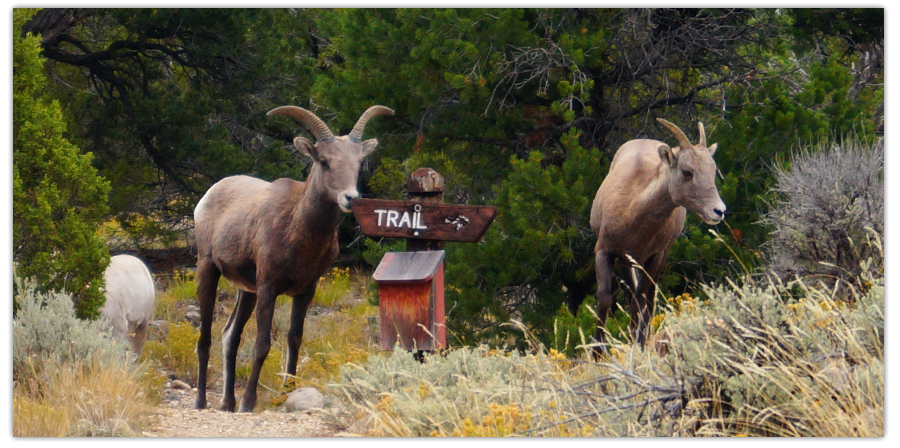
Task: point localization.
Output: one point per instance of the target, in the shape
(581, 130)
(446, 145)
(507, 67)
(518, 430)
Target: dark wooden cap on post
(425, 182)
(425, 185)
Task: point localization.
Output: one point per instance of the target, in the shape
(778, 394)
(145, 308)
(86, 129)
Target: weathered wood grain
(422, 220)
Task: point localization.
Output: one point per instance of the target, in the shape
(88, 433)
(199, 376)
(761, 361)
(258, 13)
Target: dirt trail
(177, 418)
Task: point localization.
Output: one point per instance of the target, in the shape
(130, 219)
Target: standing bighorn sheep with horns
(640, 209)
(272, 238)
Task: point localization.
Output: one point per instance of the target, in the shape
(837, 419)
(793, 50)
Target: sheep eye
(324, 165)
(687, 174)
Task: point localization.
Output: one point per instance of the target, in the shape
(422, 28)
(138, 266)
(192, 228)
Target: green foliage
(856, 27)
(831, 205)
(333, 287)
(58, 197)
(171, 100)
(271, 376)
(570, 333)
(388, 180)
(172, 298)
(534, 254)
(375, 250)
(779, 114)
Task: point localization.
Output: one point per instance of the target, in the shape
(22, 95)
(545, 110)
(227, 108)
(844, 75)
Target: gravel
(177, 418)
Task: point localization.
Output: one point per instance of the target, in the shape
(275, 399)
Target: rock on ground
(304, 399)
(177, 418)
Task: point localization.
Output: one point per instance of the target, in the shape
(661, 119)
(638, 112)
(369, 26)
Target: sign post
(411, 284)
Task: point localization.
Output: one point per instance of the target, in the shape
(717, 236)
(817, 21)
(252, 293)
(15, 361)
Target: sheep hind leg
(265, 309)
(231, 340)
(604, 298)
(644, 299)
(295, 334)
(207, 281)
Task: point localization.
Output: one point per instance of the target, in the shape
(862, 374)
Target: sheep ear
(667, 156)
(305, 147)
(712, 149)
(368, 146)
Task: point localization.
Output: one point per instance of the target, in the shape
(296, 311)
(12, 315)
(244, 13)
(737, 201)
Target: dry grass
(753, 360)
(340, 329)
(337, 330)
(75, 400)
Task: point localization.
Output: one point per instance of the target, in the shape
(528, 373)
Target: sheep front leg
(207, 281)
(295, 333)
(265, 309)
(231, 340)
(604, 296)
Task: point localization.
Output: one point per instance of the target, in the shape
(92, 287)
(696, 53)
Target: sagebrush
(831, 206)
(750, 360)
(45, 330)
(71, 378)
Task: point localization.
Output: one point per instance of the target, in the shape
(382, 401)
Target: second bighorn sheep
(639, 211)
(130, 296)
(272, 238)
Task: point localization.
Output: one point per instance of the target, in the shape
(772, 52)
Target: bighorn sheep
(272, 238)
(640, 209)
(130, 296)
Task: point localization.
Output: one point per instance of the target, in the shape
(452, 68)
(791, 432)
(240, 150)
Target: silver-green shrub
(438, 393)
(831, 202)
(483, 392)
(46, 331)
(751, 360)
(760, 364)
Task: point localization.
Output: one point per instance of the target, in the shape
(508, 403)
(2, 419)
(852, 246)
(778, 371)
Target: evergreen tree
(521, 108)
(172, 100)
(58, 198)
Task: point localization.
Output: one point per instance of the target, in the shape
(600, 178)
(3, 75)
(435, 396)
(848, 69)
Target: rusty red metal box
(411, 300)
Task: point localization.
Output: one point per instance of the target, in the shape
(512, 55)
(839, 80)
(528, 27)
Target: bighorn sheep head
(692, 175)
(336, 160)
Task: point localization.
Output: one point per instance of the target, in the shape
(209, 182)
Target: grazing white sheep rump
(130, 296)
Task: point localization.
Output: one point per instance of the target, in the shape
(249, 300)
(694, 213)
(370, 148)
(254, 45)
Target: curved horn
(702, 135)
(316, 126)
(682, 139)
(356, 133)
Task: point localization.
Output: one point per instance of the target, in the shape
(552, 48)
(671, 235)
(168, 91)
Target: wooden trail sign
(411, 284)
(423, 220)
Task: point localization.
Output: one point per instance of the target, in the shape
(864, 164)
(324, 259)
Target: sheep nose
(351, 196)
(719, 212)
